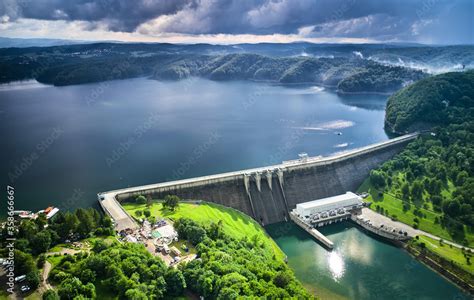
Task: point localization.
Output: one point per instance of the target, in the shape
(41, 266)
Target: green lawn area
(447, 252)
(395, 207)
(235, 223)
(179, 244)
(54, 260)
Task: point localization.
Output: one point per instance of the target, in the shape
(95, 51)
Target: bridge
(267, 193)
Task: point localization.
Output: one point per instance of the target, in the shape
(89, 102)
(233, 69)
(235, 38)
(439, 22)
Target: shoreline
(442, 267)
(333, 88)
(446, 273)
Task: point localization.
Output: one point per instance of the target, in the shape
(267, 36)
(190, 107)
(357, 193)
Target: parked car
(25, 288)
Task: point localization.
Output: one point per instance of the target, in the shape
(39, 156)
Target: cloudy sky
(234, 21)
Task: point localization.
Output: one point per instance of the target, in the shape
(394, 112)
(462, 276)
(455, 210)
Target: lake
(359, 266)
(63, 145)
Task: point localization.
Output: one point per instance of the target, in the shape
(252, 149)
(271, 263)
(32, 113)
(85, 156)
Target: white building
(347, 201)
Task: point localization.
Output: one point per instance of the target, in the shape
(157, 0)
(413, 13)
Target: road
(377, 218)
(117, 213)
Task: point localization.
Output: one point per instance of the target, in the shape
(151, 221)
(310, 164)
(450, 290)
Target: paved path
(45, 284)
(378, 219)
(117, 212)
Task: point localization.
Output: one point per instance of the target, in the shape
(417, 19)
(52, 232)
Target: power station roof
(330, 200)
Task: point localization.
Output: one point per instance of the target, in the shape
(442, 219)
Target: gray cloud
(384, 20)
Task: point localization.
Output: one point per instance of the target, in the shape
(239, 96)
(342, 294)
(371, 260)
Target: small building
(51, 212)
(348, 201)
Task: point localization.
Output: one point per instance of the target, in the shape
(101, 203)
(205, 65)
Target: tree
(135, 294)
(147, 213)
(69, 226)
(87, 275)
(140, 199)
(461, 178)
(99, 246)
(175, 282)
(171, 202)
(41, 242)
(405, 191)
(41, 221)
(417, 190)
(377, 178)
(282, 279)
(50, 295)
(86, 222)
(73, 287)
(27, 229)
(33, 278)
(24, 262)
(41, 260)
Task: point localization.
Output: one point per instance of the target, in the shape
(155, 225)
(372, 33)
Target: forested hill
(77, 64)
(433, 177)
(439, 100)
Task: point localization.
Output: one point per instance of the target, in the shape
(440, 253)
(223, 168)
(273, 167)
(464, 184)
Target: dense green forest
(226, 268)
(436, 171)
(438, 100)
(79, 64)
(35, 237)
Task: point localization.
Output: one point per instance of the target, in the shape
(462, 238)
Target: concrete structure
(331, 204)
(268, 193)
(121, 218)
(312, 231)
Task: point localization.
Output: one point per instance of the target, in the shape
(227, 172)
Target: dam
(268, 193)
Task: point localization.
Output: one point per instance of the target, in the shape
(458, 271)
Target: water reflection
(359, 266)
(369, 102)
(335, 263)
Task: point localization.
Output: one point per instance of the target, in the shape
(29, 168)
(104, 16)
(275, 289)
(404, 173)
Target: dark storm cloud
(119, 15)
(347, 18)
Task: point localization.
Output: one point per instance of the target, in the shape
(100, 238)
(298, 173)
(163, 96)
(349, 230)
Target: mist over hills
(349, 68)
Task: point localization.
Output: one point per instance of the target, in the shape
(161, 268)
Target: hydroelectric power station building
(331, 205)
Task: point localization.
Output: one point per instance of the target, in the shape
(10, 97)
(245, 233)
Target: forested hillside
(434, 176)
(65, 65)
(439, 100)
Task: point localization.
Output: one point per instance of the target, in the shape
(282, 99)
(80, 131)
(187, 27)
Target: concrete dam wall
(269, 193)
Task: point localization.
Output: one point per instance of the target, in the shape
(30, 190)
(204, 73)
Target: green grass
(453, 254)
(54, 260)
(394, 206)
(179, 244)
(235, 223)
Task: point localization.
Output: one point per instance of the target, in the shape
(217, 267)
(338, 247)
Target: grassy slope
(235, 223)
(395, 207)
(447, 252)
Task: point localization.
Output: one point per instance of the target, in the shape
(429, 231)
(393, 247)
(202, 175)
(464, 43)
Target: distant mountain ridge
(349, 68)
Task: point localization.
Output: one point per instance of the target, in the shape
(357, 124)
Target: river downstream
(359, 266)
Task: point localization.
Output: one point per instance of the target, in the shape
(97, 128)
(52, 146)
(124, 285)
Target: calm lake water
(63, 145)
(359, 266)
